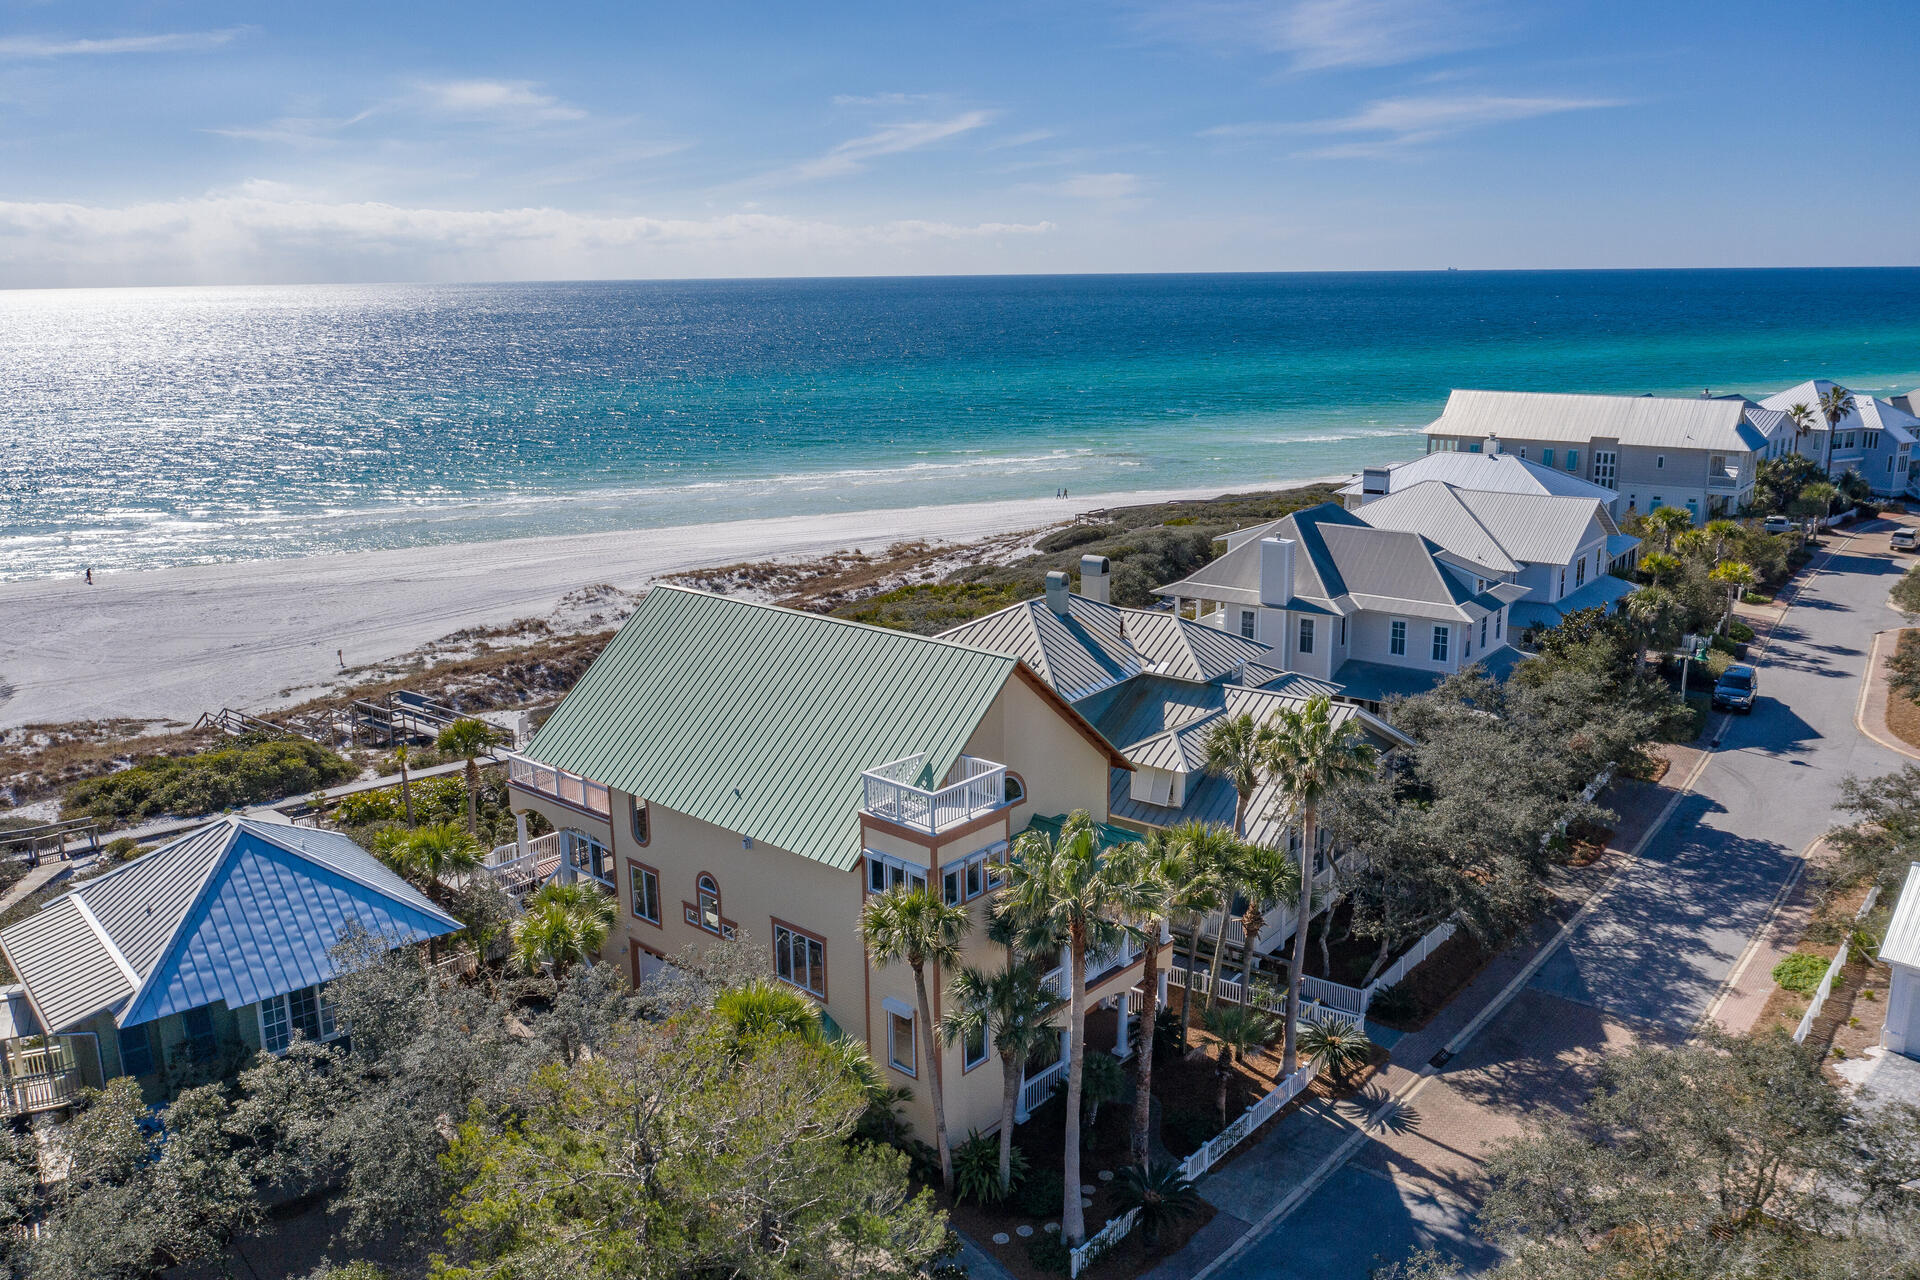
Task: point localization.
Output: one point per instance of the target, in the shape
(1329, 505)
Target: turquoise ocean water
(144, 428)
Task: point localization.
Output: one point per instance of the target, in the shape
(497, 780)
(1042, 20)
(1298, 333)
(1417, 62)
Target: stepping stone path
(1053, 1226)
(1106, 1175)
(1086, 1202)
(1023, 1231)
(1001, 1237)
(1086, 1188)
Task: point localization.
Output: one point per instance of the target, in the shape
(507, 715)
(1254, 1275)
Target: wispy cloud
(263, 231)
(853, 155)
(519, 101)
(1099, 186)
(878, 99)
(70, 47)
(1026, 139)
(1401, 124)
(1316, 35)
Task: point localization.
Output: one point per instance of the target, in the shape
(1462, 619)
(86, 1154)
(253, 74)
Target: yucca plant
(1336, 1046)
(976, 1169)
(1163, 1195)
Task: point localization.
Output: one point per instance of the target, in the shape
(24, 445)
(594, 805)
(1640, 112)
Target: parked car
(1736, 689)
(1905, 539)
(1777, 524)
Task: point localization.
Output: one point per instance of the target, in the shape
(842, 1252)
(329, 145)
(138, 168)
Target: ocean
(154, 427)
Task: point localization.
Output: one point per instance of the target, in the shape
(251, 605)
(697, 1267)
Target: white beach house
(1875, 439)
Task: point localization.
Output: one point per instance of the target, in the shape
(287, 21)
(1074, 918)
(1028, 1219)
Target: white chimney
(1493, 444)
(1276, 572)
(1057, 587)
(1096, 578)
(1375, 482)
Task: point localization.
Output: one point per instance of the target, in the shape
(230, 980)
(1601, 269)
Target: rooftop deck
(898, 792)
(572, 789)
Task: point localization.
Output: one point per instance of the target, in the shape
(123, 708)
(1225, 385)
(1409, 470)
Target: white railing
(1337, 997)
(45, 1072)
(972, 787)
(1825, 988)
(1099, 964)
(1097, 1244)
(1227, 990)
(518, 873)
(572, 789)
(1216, 1150)
(1038, 1089)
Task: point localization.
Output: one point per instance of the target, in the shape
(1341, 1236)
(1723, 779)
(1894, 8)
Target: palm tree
(406, 788)
(1802, 419)
(468, 739)
(1336, 1046)
(1669, 521)
(1653, 612)
(916, 926)
(761, 1008)
(1166, 866)
(1207, 850)
(1721, 531)
(1163, 1195)
(1235, 750)
(564, 925)
(427, 855)
(1062, 887)
(1014, 1008)
(1660, 565)
(1815, 502)
(1312, 754)
(1265, 875)
(1693, 544)
(1736, 576)
(1237, 1031)
(1836, 406)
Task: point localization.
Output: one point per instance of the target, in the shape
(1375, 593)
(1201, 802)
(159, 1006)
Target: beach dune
(170, 643)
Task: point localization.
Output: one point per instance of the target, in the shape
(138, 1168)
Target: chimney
(1057, 584)
(1374, 483)
(1276, 572)
(1493, 444)
(1095, 578)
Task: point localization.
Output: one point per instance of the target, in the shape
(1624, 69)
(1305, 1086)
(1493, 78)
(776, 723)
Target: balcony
(571, 789)
(1099, 965)
(521, 873)
(894, 791)
(42, 1073)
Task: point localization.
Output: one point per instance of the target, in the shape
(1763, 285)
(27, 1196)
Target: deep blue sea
(142, 428)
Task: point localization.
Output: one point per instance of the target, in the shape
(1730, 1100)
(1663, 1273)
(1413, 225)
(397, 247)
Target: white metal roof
(1489, 473)
(1903, 931)
(1499, 531)
(1656, 421)
(1870, 413)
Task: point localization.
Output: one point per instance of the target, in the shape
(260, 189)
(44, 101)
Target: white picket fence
(1825, 988)
(1228, 990)
(1195, 1165)
(1336, 997)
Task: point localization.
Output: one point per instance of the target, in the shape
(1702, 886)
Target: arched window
(1016, 788)
(709, 894)
(642, 822)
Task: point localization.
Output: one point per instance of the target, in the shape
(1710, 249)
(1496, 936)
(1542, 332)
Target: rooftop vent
(1058, 586)
(1096, 578)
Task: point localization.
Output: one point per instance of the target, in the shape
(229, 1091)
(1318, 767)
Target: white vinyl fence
(1228, 990)
(1333, 999)
(1196, 1164)
(1833, 973)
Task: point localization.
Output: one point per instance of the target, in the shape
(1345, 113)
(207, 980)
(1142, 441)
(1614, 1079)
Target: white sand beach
(171, 643)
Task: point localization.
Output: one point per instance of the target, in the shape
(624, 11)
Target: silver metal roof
(1488, 473)
(1870, 413)
(1498, 530)
(1902, 945)
(1655, 421)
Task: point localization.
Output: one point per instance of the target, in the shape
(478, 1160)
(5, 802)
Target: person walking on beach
(89, 575)
(341, 656)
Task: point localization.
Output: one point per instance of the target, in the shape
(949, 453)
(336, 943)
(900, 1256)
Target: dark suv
(1736, 690)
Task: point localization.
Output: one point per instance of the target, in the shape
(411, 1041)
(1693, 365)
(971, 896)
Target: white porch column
(520, 831)
(1166, 948)
(1120, 1046)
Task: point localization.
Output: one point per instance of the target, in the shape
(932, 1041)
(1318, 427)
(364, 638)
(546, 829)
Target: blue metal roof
(268, 914)
(1605, 591)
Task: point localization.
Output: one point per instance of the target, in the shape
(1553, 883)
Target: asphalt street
(1644, 964)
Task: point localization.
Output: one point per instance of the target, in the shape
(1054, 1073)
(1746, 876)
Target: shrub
(976, 1168)
(1166, 1036)
(1039, 1193)
(1906, 592)
(1048, 1252)
(249, 772)
(1163, 1196)
(1077, 535)
(1395, 1004)
(1102, 1080)
(1718, 660)
(1739, 632)
(121, 849)
(1185, 1131)
(1336, 1046)
(1800, 972)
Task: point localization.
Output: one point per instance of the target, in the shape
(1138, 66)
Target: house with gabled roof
(178, 966)
(1875, 439)
(753, 772)
(1482, 472)
(1377, 612)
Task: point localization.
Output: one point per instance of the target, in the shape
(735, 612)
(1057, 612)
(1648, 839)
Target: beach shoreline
(168, 644)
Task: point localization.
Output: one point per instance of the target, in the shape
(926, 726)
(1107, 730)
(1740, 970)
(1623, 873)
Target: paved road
(1644, 964)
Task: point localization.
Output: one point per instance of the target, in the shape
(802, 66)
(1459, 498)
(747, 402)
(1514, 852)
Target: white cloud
(1026, 139)
(1100, 186)
(267, 232)
(1316, 35)
(852, 155)
(166, 42)
(878, 99)
(519, 101)
(1404, 123)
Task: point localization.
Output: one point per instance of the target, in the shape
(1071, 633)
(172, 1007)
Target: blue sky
(160, 143)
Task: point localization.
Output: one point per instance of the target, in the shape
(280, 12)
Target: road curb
(1866, 692)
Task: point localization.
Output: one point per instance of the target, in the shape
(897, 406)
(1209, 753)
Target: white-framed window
(1306, 635)
(886, 872)
(1246, 624)
(965, 879)
(644, 888)
(1716, 463)
(1442, 642)
(799, 959)
(1397, 637)
(1873, 439)
(1498, 619)
(707, 889)
(308, 1011)
(1579, 572)
(973, 1047)
(1563, 582)
(1659, 462)
(1343, 632)
(1483, 633)
(1603, 467)
(900, 1046)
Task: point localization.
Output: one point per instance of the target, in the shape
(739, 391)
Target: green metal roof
(761, 720)
(1108, 835)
